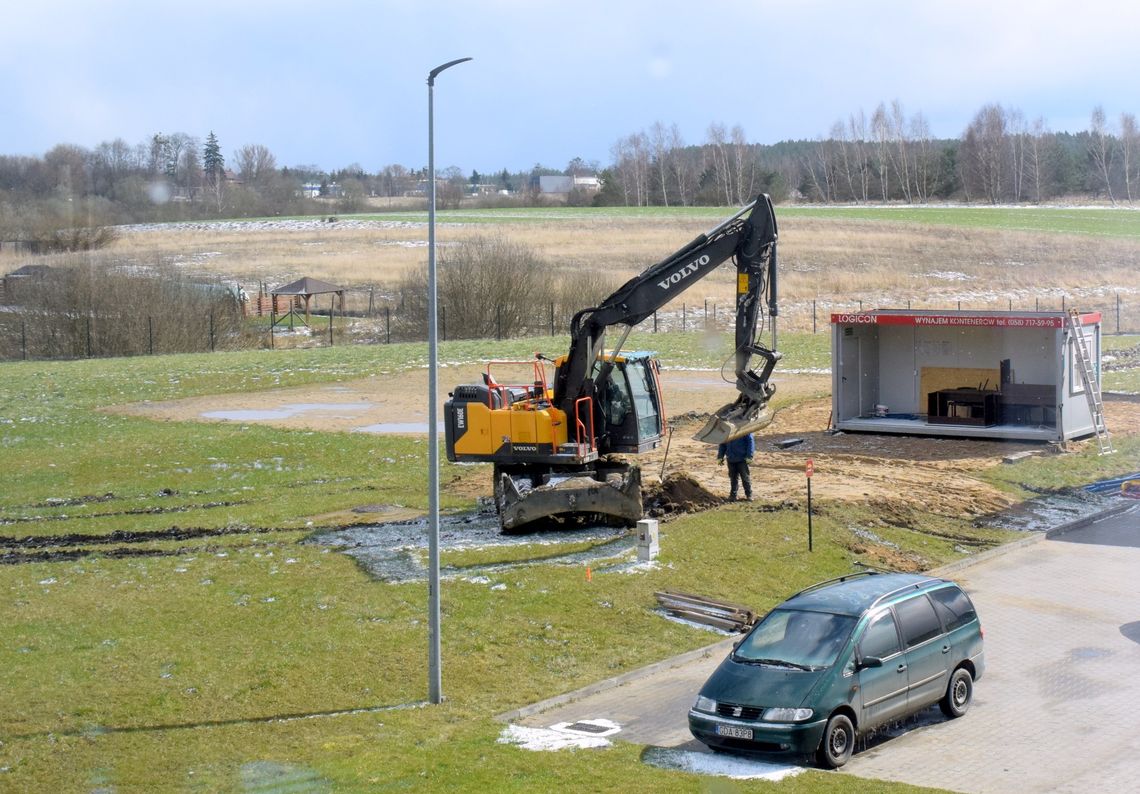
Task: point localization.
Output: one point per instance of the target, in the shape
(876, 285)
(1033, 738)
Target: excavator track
(609, 494)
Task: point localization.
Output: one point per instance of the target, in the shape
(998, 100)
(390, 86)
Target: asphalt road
(1056, 710)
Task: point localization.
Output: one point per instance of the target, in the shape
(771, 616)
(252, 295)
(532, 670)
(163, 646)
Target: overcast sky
(333, 82)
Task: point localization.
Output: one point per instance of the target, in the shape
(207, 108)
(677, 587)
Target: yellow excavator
(556, 448)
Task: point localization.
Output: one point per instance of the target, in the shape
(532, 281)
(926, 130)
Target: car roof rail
(912, 586)
(836, 580)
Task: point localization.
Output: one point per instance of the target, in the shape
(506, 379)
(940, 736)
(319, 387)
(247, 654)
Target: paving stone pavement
(1057, 708)
(1055, 712)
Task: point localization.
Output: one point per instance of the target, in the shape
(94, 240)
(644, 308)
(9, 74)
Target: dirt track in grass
(901, 477)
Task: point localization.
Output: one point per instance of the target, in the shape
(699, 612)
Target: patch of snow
(635, 567)
(548, 739)
(947, 275)
(737, 768)
(693, 624)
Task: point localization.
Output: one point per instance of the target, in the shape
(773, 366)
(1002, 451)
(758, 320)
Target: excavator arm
(749, 237)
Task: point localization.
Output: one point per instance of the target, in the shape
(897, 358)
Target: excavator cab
(629, 407)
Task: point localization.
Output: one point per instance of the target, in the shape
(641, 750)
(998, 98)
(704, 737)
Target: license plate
(733, 732)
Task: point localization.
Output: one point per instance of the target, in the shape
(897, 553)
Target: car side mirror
(736, 644)
(870, 661)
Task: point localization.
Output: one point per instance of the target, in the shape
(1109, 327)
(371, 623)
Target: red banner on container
(962, 320)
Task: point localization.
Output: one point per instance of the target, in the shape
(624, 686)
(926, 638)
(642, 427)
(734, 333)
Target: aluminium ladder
(1089, 380)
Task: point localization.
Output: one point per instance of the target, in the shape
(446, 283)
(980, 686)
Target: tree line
(885, 156)
(69, 197)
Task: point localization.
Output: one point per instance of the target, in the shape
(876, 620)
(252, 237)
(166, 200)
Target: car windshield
(796, 639)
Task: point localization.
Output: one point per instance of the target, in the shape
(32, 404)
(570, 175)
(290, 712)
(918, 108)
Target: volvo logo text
(684, 272)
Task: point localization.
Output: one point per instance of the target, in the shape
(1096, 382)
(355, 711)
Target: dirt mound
(678, 493)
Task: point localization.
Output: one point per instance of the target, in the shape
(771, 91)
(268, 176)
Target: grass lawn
(224, 652)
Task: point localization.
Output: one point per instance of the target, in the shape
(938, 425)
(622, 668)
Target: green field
(1105, 222)
(214, 649)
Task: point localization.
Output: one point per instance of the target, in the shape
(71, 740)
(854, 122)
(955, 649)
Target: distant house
(562, 185)
(327, 190)
(555, 185)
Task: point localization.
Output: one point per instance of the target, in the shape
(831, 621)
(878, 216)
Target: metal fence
(26, 336)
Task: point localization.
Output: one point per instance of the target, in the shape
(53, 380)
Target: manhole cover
(588, 727)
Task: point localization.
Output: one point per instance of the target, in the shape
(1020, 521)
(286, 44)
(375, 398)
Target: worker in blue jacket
(738, 452)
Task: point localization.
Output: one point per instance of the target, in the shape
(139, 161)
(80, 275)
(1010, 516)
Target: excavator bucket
(735, 420)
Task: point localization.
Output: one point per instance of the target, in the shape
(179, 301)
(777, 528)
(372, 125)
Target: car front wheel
(838, 742)
(959, 693)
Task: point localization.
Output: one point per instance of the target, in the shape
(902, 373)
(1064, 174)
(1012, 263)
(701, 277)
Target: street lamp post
(435, 686)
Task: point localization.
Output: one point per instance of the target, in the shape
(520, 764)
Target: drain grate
(588, 727)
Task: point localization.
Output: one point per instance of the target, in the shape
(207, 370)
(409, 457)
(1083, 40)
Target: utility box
(648, 544)
(1010, 375)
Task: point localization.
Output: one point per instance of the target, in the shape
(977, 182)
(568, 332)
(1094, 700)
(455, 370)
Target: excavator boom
(553, 448)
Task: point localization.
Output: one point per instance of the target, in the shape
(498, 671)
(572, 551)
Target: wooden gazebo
(305, 288)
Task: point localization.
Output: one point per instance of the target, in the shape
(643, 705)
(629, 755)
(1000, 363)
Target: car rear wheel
(838, 742)
(959, 693)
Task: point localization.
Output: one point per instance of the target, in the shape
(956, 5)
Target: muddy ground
(899, 476)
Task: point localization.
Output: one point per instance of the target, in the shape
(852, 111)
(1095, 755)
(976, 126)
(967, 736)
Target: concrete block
(648, 542)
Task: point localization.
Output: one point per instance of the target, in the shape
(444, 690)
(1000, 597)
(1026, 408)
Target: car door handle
(901, 668)
(946, 649)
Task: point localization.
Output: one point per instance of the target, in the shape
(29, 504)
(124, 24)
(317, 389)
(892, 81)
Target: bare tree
(839, 135)
(1018, 141)
(112, 162)
(820, 167)
(255, 164)
(395, 180)
(744, 167)
(900, 152)
(924, 157)
(857, 124)
(177, 145)
(983, 154)
(631, 159)
(1036, 147)
(881, 128)
(450, 185)
(1129, 143)
(716, 139)
(190, 170)
(682, 165)
(658, 142)
(1100, 149)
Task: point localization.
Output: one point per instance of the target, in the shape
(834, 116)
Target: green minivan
(839, 659)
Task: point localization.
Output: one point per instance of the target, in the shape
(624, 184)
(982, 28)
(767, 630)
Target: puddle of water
(397, 427)
(388, 551)
(284, 412)
(736, 767)
(1046, 512)
(1078, 654)
(271, 776)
